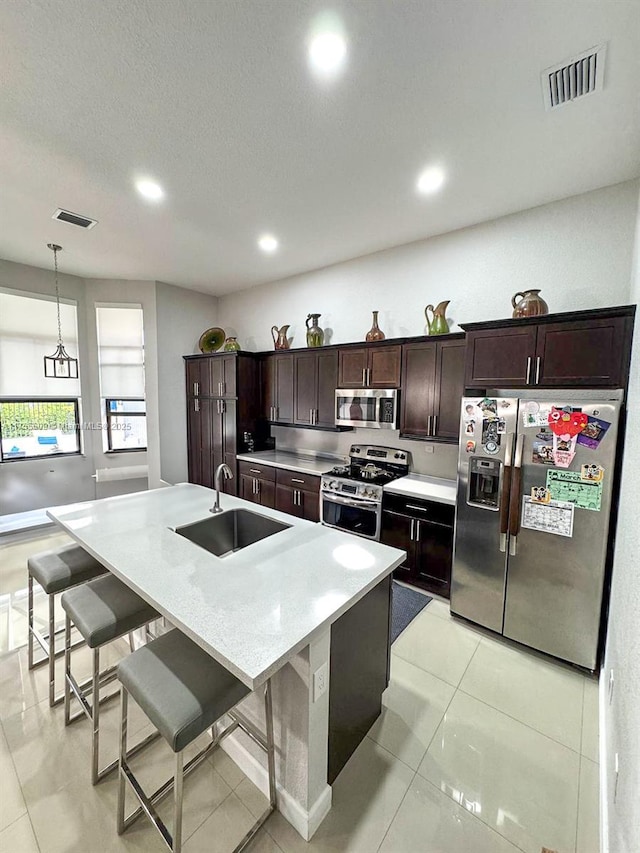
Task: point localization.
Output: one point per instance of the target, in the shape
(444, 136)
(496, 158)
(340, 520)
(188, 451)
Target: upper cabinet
(277, 388)
(212, 376)
(582, 349)
(432, 387)
(374, 366)
(315, 383)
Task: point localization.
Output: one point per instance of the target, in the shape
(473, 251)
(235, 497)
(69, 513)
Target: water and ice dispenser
(484, 482)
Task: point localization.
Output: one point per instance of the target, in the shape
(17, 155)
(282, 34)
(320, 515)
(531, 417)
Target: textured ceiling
(214, 100)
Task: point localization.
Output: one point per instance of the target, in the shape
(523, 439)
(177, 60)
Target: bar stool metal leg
(178, 779)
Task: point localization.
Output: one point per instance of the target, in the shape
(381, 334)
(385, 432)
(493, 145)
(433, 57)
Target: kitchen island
(307, 607)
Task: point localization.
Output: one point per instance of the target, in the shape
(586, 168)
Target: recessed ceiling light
(268, 243)
(327, 52)
(150, 190)
(430, 180)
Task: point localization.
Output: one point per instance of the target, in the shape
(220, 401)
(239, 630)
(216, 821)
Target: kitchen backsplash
(441, 463)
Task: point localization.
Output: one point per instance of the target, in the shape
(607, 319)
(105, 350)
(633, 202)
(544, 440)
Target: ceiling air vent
(74, 218)
(576, 77)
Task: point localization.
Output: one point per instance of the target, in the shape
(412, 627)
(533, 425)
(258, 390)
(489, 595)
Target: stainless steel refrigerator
(535, 483)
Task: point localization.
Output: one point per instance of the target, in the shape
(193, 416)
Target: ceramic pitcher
(530, 304)
(280, 339)
(437, 325)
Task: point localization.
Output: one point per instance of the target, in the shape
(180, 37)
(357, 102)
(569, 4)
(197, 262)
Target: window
(121, 364)
(126, 425)
(33, 428)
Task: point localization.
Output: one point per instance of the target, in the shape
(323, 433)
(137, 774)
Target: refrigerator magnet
(540, 494)
(489, 408)
(502, 426)
(469, 427)
(593, 433)
(542, 453)
(556, 517)
(471, 447)
(592, 472)
(564, 450)
(566, 422)
(491, 447)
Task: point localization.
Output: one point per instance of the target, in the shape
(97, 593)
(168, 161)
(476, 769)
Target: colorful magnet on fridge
(592, 472)
(502, 426)
(469, 427)
(540, 494)
(564, 450)
(489, 408)
(471, 447)
(491, 447)
(593, 433)
(566, 422)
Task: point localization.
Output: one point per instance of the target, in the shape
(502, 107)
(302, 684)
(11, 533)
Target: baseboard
(303, 821)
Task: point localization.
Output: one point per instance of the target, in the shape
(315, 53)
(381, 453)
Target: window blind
(120, 351)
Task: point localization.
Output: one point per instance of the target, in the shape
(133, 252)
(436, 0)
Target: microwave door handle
(504, 494)
(514, 499)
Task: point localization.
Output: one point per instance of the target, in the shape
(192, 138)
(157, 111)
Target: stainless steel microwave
(375, 408)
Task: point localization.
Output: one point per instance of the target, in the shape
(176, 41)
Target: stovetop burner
(373, 465)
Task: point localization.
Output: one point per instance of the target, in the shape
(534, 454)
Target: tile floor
(481, 748)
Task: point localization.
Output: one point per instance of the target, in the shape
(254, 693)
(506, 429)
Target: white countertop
(428, 488)
(304, 464)
(252, 610)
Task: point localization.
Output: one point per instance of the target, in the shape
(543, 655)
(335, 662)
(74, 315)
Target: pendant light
(60, 365)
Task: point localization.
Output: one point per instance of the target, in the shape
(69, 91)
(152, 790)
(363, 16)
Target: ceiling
(215, 100)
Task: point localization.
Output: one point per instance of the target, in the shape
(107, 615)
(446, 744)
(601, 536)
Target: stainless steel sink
(230, 531)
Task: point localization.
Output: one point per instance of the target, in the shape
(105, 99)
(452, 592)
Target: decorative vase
(530, 304)
(437, 325)
(315, 335)
(375, 333)
(280, 339)
(231, 345)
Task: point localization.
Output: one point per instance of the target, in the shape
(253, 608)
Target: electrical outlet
(428, 448)
(320, 679)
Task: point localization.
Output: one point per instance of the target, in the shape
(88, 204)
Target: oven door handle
(364, 503)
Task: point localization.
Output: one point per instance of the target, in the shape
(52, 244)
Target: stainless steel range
(351, 495)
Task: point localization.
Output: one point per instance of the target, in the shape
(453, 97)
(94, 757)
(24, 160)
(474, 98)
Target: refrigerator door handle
(504, 496)
(514, 499)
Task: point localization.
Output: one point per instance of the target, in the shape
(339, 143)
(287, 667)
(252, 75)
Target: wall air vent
(576, 77)
(74, 218)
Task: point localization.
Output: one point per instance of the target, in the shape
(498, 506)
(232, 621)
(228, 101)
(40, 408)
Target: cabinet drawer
(306, 482)
(261, 472)
(416, 508)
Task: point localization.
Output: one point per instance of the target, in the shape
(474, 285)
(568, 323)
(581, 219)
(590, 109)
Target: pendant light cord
(55, 263)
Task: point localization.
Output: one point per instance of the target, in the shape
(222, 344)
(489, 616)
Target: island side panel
(359, 673)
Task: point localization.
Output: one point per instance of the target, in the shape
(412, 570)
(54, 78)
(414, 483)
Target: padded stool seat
(184, 691)
(102, 610)
(55, 571)
(68, 566)
(105, 609)
(181, 688)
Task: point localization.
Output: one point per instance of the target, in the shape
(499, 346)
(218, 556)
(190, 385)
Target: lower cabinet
(257, 484)
(298, 494)
(424, 529)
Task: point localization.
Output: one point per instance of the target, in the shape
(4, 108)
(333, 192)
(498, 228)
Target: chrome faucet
(228, 475)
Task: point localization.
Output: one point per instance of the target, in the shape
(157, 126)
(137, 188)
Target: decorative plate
(212, 339)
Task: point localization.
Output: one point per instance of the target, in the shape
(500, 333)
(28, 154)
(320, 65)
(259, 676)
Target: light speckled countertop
(428, 488)
(301, 462)
(252, 610)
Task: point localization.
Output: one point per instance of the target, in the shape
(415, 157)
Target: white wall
(620, 720)
(578, 251)
(182, 316)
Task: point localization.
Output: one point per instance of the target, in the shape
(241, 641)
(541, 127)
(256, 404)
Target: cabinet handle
(196, 389)
(223, 407)
(428, 424)
(528, 379)
(413, 524)
(435, 421)
(254, 471)
(294, 480)
(196, 405)
(368, 376)
(277, 413)
(420, 508)
(418, 531)
(364, 374)
(538, 363)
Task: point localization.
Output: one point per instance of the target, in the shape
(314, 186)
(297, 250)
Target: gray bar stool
(56, 571)
(102, 610)
(184, 692)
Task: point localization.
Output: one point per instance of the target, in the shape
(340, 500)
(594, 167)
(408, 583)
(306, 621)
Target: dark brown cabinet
(315, 383)
(222, 404)
(257, 484)
(278, 388)
(432, 387)
(298, 494)
(211, 431)
(424, 529)
(586, 348)
(373, 366)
